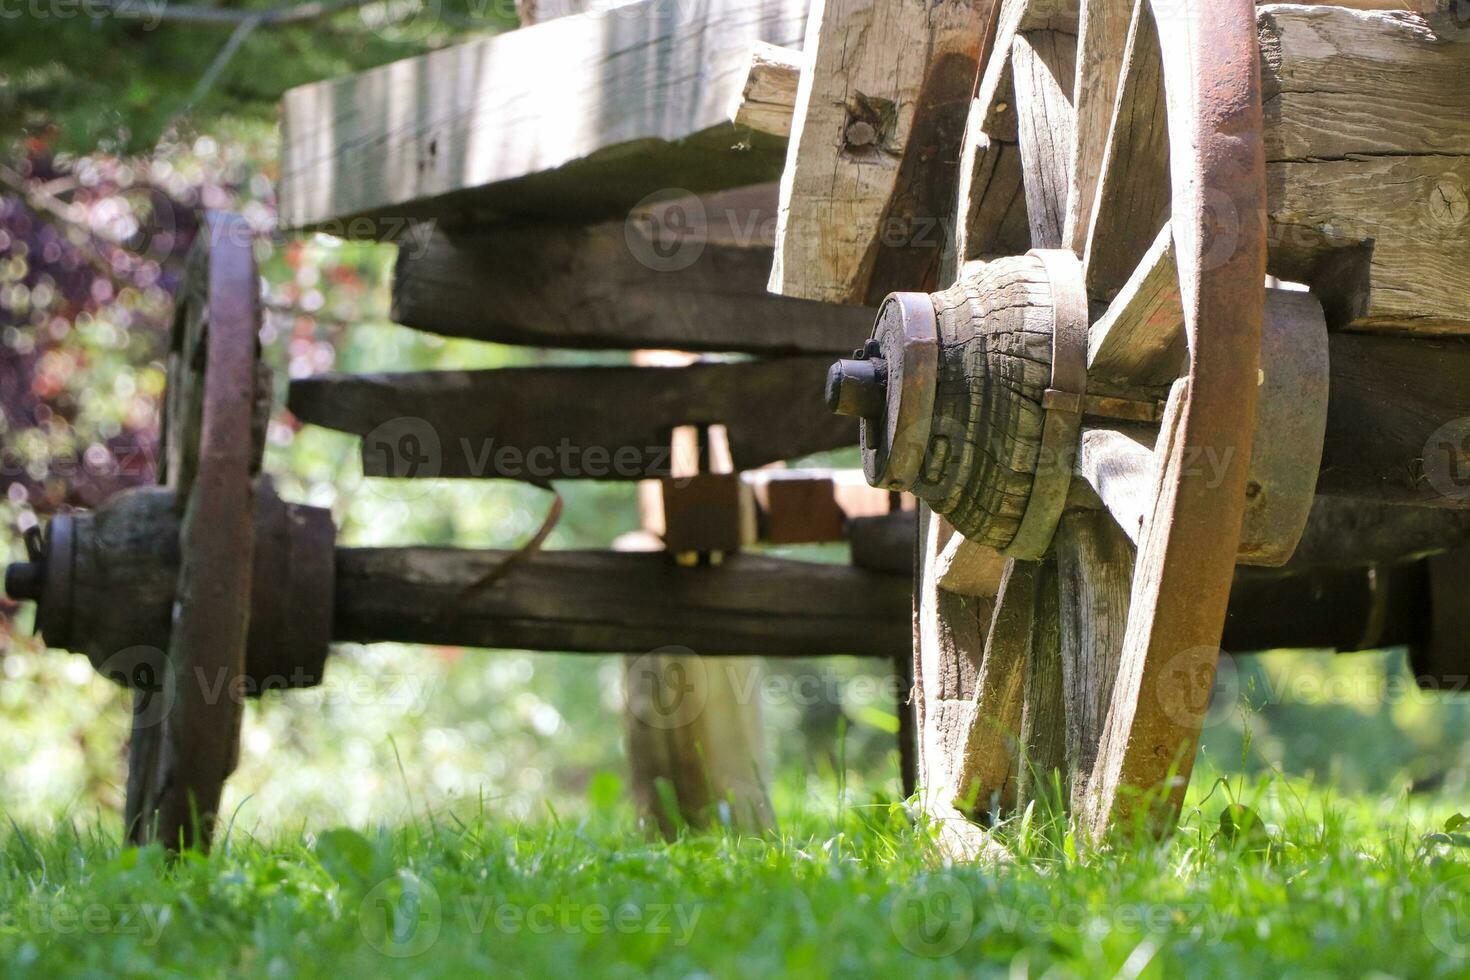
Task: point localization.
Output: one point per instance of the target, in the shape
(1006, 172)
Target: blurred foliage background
(113, 133)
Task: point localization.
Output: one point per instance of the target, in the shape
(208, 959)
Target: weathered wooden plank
(579, 117)
(598, 423)
(1043, 64)
(694, 279)
(768, 99)
(1396, 414)
(616, 602)
(1368, 150)
(874, 143)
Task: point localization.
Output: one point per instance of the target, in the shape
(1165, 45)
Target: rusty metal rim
(175, 795)
(1186, 558)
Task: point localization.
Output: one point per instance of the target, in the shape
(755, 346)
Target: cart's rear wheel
(186, 727)
(1102, 628)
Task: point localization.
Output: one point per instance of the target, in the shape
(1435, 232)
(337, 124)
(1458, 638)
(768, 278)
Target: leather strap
(1062, 404)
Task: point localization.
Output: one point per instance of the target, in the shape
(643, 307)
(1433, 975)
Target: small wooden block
(800, 510)
(707, 512)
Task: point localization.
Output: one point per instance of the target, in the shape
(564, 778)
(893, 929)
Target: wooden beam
(1368, 163)
(617, 602)
(693, 278)
(597, 423)
(1345, 531)
(579, 117)
(768, 100)
(872, 162)
(540, 11)
(886, 543)
(1396, 414)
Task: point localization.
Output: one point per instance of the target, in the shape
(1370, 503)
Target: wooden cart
(1130, 449)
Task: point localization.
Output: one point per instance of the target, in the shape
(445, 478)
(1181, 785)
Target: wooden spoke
(1095, 568)
(1119, 465)
(1043, 750)
(1042, 65)
(1102, 35)
(951, 637)
(1132, 200)
(1140, 339)
(984, 779)
(967, 568)
(992, 218)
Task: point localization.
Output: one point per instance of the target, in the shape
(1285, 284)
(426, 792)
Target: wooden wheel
(1071, 626)
(186, 726)
(1167, 196)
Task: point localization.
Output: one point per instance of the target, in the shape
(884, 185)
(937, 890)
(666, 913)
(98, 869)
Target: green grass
(1321, 886)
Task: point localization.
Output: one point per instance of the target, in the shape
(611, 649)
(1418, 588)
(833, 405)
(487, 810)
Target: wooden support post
(694, 724)
(871, 162)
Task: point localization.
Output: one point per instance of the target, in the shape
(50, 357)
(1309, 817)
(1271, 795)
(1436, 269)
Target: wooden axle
(109, 595)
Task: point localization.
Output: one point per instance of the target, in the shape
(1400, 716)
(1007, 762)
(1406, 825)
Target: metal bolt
(856, 387)
(25, 580)
(860, 133)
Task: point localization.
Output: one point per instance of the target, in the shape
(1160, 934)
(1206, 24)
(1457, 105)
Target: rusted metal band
(1062, 403)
